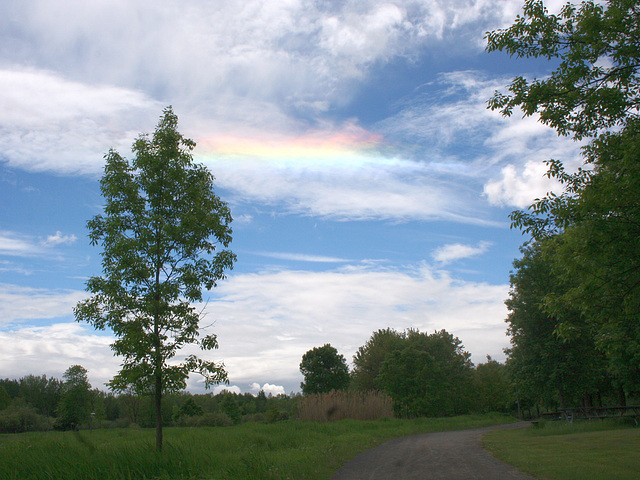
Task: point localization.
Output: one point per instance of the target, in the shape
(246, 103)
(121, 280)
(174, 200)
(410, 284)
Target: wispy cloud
(376, 188)
(456, 251)
(265, 322)
(19, 245)
(508, 153)
(14, 244)
(301, 257)
(54, 124)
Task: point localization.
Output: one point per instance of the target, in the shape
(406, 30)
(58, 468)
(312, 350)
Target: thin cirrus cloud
(350, 175)
(19, 245)
(14, 244)
(508, 152)
(301, 257)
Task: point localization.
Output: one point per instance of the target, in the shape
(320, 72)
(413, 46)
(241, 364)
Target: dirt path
(456, 455)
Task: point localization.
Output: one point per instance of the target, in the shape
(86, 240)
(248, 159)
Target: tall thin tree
(164, 235)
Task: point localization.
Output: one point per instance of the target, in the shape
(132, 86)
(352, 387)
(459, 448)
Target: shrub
(206, 420)
(23, 418)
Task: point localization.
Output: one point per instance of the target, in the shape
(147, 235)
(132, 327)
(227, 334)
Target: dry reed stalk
(338, 405)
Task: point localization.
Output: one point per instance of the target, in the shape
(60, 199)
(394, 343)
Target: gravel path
(456, 455)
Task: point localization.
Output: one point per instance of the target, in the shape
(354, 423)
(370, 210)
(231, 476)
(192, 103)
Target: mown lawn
(286, 450)
(557, 451)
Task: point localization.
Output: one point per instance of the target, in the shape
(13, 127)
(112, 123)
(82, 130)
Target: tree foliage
(492, 387)
(595, 85)
(546, 368)
(74, 407)
(324, 370)
(590, 231)
(428, 375)
(425, 374)
(368, 360)
(160, 234)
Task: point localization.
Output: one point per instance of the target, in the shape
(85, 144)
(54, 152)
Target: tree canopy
(161, 235)
(594, 88)
(425, 374)
(324, 370)
(547, 369)
(74, 407)
(588, 234)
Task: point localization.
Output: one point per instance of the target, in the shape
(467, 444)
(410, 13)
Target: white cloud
(18, 303)
(375, 188)
(266, 321)
(508, 152)
(226, 388)
(52, 349)
(53, 124)
(457, 251)
(99, 73)
(59, 239)
(254, 69)
(267, 388)
(19, 245)
(520, 188)
(254, 49)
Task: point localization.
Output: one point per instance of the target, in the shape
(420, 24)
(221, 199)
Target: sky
(369, 184)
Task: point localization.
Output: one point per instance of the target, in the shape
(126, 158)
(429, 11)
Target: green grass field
(557, 451)
(284, 450)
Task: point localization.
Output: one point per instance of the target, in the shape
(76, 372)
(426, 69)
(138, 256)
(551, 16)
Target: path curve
(455, 455)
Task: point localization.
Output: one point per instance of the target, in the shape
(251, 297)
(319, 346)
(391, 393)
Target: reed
(341, 405)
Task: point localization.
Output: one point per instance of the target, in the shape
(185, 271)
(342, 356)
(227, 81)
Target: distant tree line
(38, 403)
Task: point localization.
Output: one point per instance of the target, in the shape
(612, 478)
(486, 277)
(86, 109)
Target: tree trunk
(158, 385)
(158, 365)
(158, 407)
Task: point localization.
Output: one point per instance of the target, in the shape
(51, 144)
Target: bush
(206, 420)
(338, 405)
(23, 418)
(254, 417)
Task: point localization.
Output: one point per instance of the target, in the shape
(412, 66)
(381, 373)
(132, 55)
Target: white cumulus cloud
(59, 239)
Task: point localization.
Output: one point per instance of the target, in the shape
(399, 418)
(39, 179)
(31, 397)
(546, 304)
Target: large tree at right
(591, 230)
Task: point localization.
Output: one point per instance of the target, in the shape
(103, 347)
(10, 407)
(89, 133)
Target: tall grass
(284, 450)
(340, 405)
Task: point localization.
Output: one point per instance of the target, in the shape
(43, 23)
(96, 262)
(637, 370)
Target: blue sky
(370, 186)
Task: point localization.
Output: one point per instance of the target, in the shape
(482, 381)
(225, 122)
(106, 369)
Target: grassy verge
(594, 450)
(285, 450)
